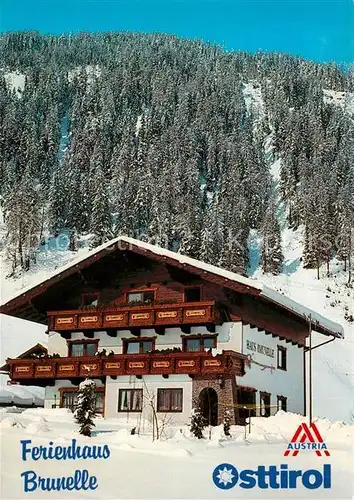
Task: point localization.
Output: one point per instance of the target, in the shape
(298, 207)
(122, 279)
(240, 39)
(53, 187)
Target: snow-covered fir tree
(22, 216)
(197, 421)
(86, 403)
(101, 220)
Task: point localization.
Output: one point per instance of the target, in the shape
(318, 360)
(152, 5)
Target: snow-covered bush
(227, 423)
(86, 402)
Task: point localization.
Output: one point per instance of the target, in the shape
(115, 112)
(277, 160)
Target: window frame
(283, 399)
(120, 393)
(142, 291)
(169, 390)
(191, 287)
(88, 294)
(84, 342)
(63, 390)
(140, 341)
(283, 350)
(263, 394)
(185, 338)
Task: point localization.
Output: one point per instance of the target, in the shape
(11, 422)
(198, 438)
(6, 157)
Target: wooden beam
(160, 330)
(90, 334)
(65, 335)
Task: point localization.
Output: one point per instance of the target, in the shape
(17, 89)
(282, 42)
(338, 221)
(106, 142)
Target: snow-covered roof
(37, 348)
(23, 396)
(124, 242)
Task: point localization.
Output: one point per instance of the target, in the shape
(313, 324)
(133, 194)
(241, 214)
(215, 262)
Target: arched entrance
(208, 400)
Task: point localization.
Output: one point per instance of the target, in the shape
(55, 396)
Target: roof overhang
(222, 277)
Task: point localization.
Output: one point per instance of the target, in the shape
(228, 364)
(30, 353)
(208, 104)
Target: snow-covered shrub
(227, 423)
(86, 406)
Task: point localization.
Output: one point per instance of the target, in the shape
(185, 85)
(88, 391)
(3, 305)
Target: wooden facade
(31, 371)
(123, 267)
(125, 317)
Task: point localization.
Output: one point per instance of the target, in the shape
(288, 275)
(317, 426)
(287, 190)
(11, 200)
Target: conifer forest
(153, 137)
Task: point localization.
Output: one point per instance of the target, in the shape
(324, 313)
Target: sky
(321, 30)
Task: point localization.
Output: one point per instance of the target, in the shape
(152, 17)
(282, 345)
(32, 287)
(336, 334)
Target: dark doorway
(208, 399)
(246, 398)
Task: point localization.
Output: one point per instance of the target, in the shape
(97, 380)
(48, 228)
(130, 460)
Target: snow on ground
(15, 82)
(92, 71)
(333, 364)
(253, 98)
(343, 99)
(17, 335)
(138, 125)
(178, 467)
(254, 102)
(48, 261)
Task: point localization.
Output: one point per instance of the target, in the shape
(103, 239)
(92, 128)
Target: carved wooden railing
(194, 363)
(155, 315)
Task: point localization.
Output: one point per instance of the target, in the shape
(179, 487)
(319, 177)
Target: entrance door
(208, 399)
(69, 400)
(246, 398)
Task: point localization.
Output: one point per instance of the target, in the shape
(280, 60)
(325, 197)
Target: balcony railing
(155, 315)
(195, 363)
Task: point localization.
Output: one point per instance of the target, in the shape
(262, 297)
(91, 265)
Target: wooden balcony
(141, 316)
(31, 371)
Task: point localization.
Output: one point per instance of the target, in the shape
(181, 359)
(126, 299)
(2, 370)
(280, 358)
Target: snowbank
(37, 427)
(9, 422)
(52, 414)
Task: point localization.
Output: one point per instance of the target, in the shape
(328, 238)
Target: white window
(130, 400)
(281, 353)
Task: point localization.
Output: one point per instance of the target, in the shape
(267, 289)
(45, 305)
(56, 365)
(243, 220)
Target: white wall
(277, 382)
(56, 344)
(229, 337)
(149, 384)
